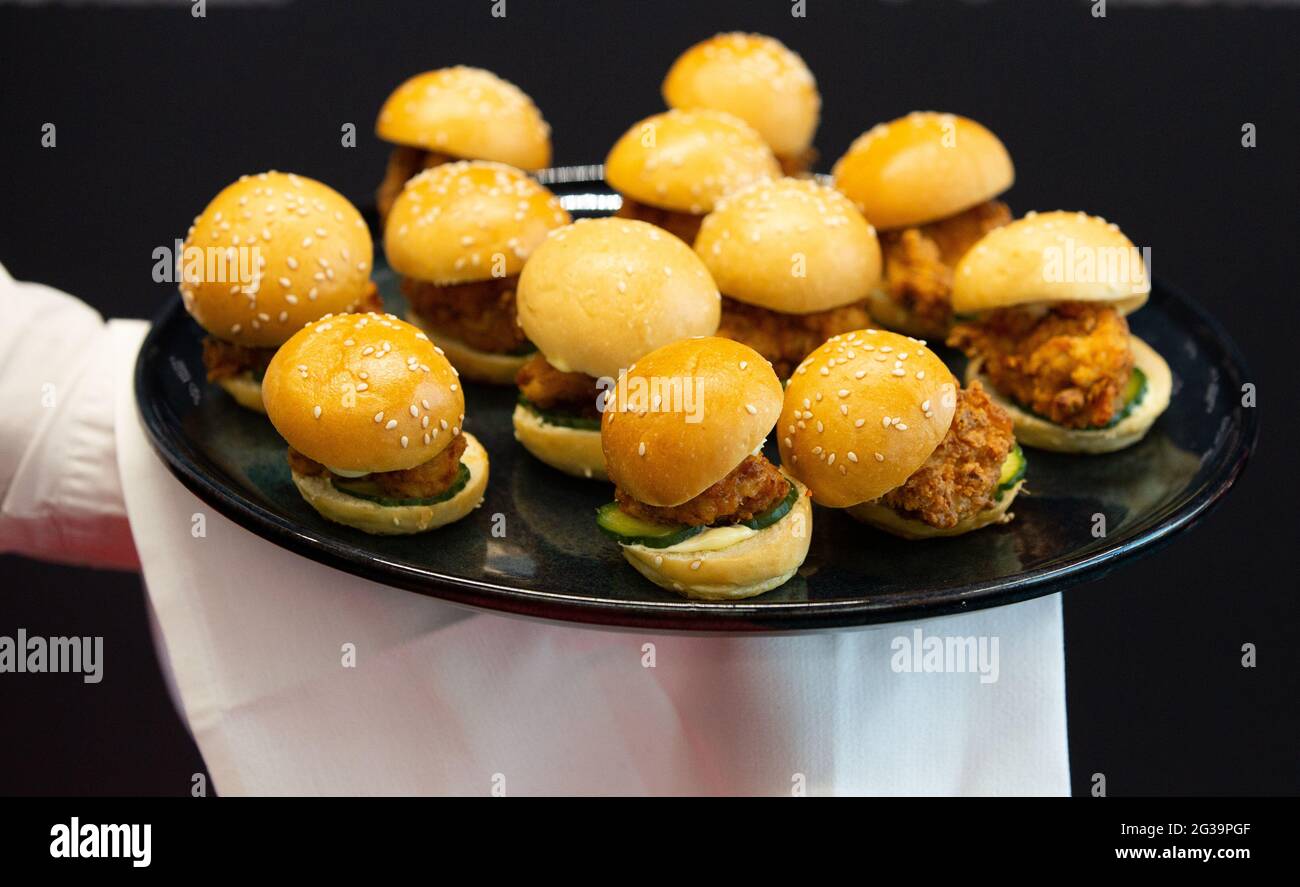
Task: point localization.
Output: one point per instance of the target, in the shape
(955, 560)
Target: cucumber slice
(362, 488)
(775, 513)
(559, 417)
(1134, 393)
(1013, 471)
(628, 530)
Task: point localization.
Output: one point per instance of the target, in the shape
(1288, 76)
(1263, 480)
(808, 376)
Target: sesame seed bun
(923, 167)
(600, 293)
(574, 451)
(467, 221)
(272, 252)
(387, 399)
(754, 77)
(470, 113)
(246, 390)
(1051, 257)
(889, 520)
(790, 245)
(392, 520)
(687, 160)
(766, 560)
(666, 451)
(898, 411)
(1035, 431)
(472, 364)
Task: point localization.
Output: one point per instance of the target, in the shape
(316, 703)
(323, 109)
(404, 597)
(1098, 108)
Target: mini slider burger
(760, 81)
(458, 113)
(928, 182)
(794, 261)
(459, 234)
(874, 423)
(1046, 299)
(270, 253)
(698, 509)
(673, 167)
(595, 297)
(374, 417)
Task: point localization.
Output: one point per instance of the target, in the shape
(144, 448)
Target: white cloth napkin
(443, 700)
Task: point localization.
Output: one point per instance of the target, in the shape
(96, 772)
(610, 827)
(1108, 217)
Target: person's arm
(60, 494)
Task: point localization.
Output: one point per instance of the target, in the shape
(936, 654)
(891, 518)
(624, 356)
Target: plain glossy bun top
(923, 167)
(687, 160)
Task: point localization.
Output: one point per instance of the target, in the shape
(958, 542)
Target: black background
(1137, 116)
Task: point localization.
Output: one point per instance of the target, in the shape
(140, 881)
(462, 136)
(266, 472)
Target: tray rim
(683, 615)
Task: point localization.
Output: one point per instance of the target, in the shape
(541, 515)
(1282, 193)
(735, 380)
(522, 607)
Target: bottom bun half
(393, 520)
(574, 451)
(1035, 431)
(472, 364)
(887, 314)
(246, 391)
(891, 521)
(764, 561)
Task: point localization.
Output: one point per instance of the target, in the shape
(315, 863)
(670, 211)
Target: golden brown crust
(754, 486)
(1069, 364)
(550, 389)
(480, 313)
(919, 262)
(961, 475)
(682, 225)
(785, 339)
(403, 163)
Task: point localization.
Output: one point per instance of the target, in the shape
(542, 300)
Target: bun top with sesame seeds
(1051, 257)
(466, 221)
(923, 167)
(600, 293)
(755, 78)
(685, 416)
(363, 393)
(470, 113)
(862, 413)
(272, 252)
(687, 160)
(790, 245)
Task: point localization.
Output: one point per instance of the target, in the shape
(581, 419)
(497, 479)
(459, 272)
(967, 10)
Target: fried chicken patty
(798, 165)
(753, 487)
(224, 359)
(480, 313)
(1069, 364)
(403, 163)
(680, 224)
(961, 475)
(786, 339)
(425, 480)
(550, 389)
(918, 261)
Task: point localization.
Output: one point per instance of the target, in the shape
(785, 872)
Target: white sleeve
(60, 492)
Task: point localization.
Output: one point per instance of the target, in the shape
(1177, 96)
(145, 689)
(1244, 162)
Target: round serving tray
(533, 548)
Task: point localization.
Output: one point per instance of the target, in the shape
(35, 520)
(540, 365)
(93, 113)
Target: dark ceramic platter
(553, 563)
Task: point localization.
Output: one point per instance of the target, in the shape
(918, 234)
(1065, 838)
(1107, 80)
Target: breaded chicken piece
(786, 339)
(480, 313)
(753, 487)
(403, 163)
(224, 359)
(961, 475)
(550, 389)
(1069, 364)
(679, 224)
(918, 261)
(424, 481)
